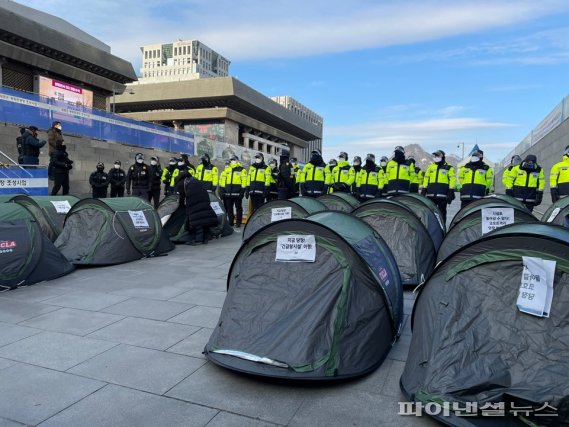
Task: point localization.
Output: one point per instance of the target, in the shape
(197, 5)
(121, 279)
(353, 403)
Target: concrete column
(246, 141)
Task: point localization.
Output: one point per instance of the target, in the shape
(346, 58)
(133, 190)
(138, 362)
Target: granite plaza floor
(121, 346)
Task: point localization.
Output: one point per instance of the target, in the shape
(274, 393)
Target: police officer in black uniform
(117, 176)
(99, 181)
(155, 177)
(139, 177)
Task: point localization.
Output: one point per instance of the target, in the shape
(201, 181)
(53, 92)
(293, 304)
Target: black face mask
(100, 169)
(315, 159)
(399, 156)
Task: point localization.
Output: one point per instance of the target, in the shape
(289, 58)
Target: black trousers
(442, 205)
(231, 203)
(257, 201)
(154, 194)
(141, 192)
(530, 206)
(117, 191)
(284, 194)
(60, 180)
(99, 193)
(464, 203)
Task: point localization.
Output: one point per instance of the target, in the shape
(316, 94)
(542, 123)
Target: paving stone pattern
(121, 346)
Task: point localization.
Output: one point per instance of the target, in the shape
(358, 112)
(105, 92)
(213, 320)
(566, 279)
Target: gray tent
(35, 210)
(55, 209)
(342, 202)
(495, 200)
(427, 212)
(558, 213)
(406, 236)
(112, 231)
(276, 210)
(335, 317)
(470, 342)
(470, 227)
(27, 256)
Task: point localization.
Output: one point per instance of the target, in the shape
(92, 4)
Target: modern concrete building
(45, 54)
(181, 60)
(224, 115)
(307, 114)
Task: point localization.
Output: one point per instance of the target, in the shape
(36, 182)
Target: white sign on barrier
(493, 218)
(278, 214)
(536, 289)
(61, 206)
(296, 248)
(138, 219)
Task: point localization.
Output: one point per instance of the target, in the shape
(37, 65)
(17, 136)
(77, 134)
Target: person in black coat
(200, 216)
(31, 147)
(60, 165)
(117, 179)
(99, 181)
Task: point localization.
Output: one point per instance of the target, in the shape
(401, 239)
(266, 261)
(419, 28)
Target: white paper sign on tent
(138, 219)
(216, 208)
(536, 288)
(61, 206)
(296, 248)
(553, 214)
(493, 218)
(278, 214)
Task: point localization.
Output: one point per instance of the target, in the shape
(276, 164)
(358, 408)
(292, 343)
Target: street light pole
(458, 146)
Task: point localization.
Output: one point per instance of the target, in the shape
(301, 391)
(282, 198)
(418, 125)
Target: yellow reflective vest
(208, 175)
(526, 183)
(439, 178)
(475, 180)
(398, 177)
(559, 176)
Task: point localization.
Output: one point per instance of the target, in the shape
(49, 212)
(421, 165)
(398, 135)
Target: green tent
(27, 256)
(339, 201)
(497, 200)
(276, 210)
(316, 298)
(111, 231)
(55, 208)
(35, 210)
(558, 213)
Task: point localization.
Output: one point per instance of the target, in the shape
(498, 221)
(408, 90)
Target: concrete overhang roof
(220, 92)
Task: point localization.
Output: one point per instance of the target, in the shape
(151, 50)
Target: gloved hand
(539, 198)
(487, 191)
(246, 194)
(450, 196)
(510, 192)
(302, 189)
(214, 188)
(424, 192)
(554, 194)
(128, 192)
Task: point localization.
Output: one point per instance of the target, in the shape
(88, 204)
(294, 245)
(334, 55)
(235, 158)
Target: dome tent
(35, 210)
(112, 231)
(558, 213)
(338, 201)
(173, 219)
(336, 317)
(470, 342)
(27, 256)
(298, 207)
(55, 208)
(427, 212)
(471, 226)
(496, 200)
(415, 254)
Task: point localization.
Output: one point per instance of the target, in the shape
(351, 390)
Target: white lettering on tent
(296, 248)
(216, 208)
(138, 219)
(493, 218)
(553, 214)
(278, 214)
(61, 206)
(536, 289)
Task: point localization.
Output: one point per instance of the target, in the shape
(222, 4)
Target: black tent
(36, 211)
(473, 225)
(406, 236)
(427, 212)
(112, 231)
(173, 219)
(496, 200)
(27, 256)
(558, 213)
(472, 343)
(342, 202)
(277, 210)
(335, 314)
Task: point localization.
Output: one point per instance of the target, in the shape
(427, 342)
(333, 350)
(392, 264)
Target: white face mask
(273, 165)
(341, 159)
(357, 163)
(474, 159)
(117, 166)
(139, 161)
(181, 164)
(172, 163)
(437, 159)
(233, 162)
(153, 162)
(258, 160)
(383, 163)
(58, 127)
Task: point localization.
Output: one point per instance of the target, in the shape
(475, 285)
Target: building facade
(181, 60)
(306, 113)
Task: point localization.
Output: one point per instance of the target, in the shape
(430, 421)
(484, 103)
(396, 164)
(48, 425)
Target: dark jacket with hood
(59, 161)
(198, 208)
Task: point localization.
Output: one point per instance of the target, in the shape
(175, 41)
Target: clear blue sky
(381, 73)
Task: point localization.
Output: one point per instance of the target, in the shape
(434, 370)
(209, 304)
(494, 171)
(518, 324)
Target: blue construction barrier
(31, 109)
(32, 182)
